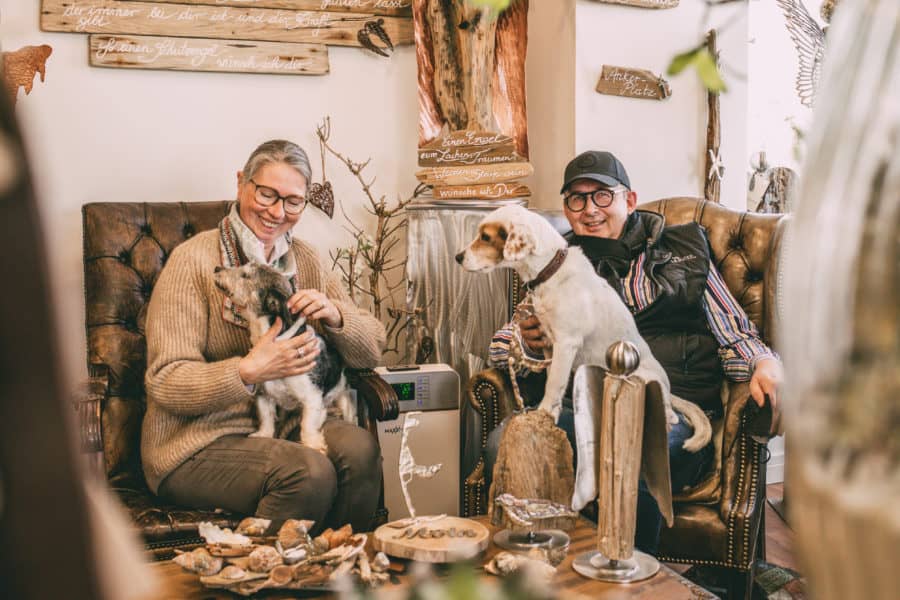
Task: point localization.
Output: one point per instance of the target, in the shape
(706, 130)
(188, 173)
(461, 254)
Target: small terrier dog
(580, 313)
(262, 294)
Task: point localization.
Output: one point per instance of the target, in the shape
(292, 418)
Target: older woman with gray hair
(202, 368)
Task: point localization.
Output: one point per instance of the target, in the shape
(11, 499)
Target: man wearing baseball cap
(692, 323)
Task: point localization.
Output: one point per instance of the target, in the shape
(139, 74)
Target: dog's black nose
(217, 269)
(460, 256)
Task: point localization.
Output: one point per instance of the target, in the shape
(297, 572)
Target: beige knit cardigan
(194, 392)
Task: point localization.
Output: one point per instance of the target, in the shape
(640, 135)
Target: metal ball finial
(623, 358)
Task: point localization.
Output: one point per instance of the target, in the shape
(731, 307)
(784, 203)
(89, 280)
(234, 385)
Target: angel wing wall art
(809, 39)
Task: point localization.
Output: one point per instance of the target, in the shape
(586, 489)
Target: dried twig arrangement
(368, 268)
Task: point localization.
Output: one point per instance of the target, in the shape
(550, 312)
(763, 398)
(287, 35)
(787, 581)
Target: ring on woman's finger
(300, 352)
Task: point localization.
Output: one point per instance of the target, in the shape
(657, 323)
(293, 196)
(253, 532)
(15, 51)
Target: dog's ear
(520, 242)
(275, 303)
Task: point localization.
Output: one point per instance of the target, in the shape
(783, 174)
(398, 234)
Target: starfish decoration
(716, 168)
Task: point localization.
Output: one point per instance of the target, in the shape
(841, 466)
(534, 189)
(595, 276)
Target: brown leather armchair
(719, 521)
(125, 248)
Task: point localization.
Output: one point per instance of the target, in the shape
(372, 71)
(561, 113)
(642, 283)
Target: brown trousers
(280, 479)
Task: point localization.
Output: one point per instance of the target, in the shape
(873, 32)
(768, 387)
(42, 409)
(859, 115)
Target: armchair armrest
(490, 393)
(88, 405)
(379, 397)
(742, 463)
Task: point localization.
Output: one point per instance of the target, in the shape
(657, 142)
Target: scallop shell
(253, 526)
(263, 559)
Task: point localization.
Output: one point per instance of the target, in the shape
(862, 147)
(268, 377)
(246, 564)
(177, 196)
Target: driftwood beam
(714, 169)
(393, 8)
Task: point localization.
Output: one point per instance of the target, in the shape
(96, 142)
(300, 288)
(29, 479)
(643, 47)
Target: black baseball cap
(597, 165)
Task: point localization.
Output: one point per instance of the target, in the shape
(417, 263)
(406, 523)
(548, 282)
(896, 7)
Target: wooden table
(665, 584)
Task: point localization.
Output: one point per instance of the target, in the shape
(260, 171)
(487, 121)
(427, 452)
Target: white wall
(550, 71)
(662, 143)
(98, 134)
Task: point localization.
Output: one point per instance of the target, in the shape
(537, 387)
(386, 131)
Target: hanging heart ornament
(321, 196)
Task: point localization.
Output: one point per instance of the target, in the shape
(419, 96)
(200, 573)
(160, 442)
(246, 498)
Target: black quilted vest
(674, 323)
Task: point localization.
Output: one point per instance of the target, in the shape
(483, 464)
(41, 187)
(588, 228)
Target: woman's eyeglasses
(601, 198)
(267, 196)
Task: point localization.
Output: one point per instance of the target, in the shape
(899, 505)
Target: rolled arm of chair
(742, 459)
(488, 393)
(379, 397)
(88, 404)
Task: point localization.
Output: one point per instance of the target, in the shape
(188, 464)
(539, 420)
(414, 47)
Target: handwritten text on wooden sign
(395, 8)
(266, 24)
(634, 83)
(489, 191)
(645, 3)
(199, 54)
(475, 174)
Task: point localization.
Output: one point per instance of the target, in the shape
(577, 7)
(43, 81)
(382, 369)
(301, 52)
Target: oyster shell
(216, 535)
(199, 561)
(253, 526)
(506, 562)
(263, 559)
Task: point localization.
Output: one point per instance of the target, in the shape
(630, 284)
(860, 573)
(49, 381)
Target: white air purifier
(431, 391)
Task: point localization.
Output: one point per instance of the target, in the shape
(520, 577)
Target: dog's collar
(548, 271)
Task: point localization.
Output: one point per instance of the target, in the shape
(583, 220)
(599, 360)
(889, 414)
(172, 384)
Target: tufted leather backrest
(125, 247)
(744, 247)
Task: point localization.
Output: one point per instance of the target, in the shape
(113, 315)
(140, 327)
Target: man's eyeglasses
(267, 196)
(576, 201)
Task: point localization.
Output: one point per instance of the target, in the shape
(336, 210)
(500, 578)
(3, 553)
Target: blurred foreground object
(842, 401)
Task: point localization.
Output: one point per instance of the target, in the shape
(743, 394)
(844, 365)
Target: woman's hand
(315, 305)
(533, 335)
(272, 359)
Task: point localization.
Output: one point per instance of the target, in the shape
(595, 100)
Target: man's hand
(766, 378)
(533, 335)
(273, 359)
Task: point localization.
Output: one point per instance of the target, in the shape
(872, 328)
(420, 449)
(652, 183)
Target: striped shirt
(740, 347)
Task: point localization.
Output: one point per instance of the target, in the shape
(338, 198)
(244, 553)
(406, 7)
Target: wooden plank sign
(633, 83)
(645, 3)
(475, 174)
(200, 54)
(469, 148)
(392, 8)
(264, 24)
(488, 191)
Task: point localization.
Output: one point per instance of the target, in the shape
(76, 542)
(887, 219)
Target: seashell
(505, 563)
(216, 535)
(320, 545)
(340, 536)
(253, 526)
(263, 559)
(292, 556)
(294, 532)
(281, 575)
(381, 563)
(199, 561)
(232, 572)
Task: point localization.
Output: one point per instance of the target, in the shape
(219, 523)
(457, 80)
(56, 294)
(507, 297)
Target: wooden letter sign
(207, 21)
(199, 54)
(469, 148)
(489, 191)
(645, 3)
(634, 83)
(475, 174)
(394, 8)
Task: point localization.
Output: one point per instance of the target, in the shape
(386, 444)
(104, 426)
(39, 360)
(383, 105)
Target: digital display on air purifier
(405, 391)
